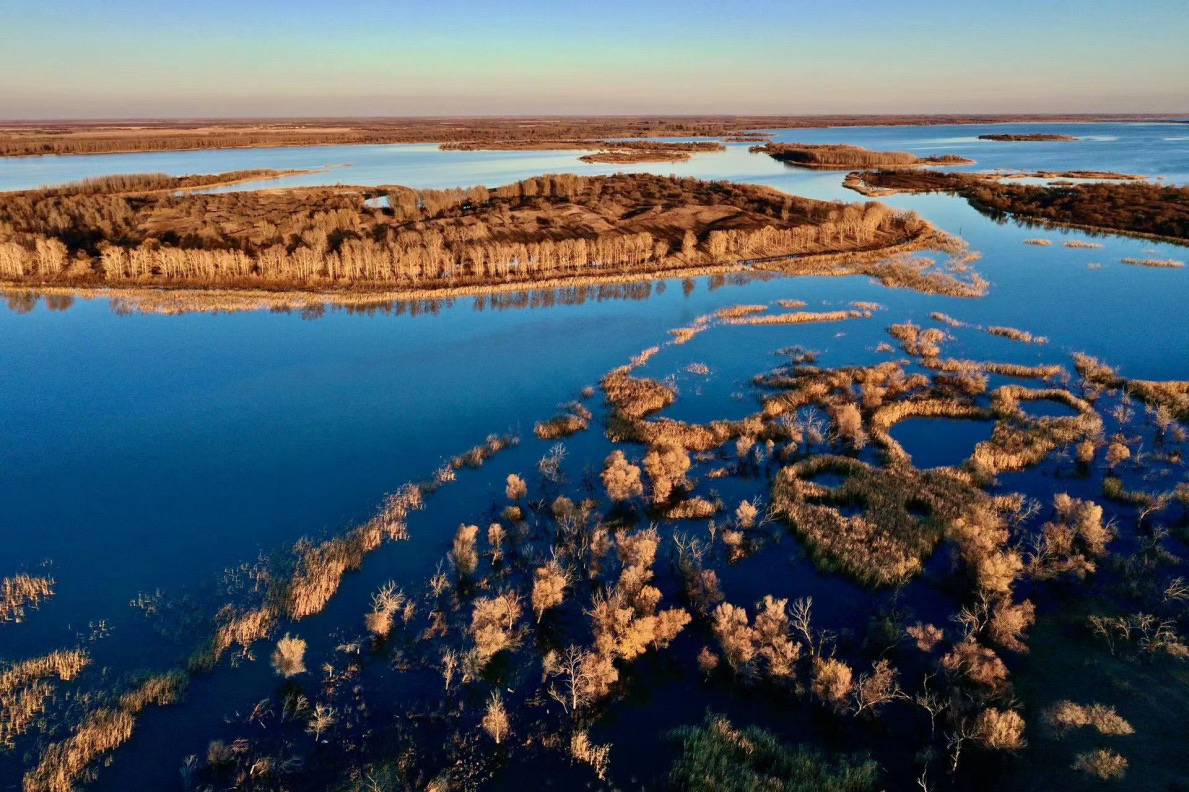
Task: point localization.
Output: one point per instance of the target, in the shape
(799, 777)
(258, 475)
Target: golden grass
(799, 317)
(24, 690)
(736, 311)
(67, 764)
(1039, 242)
(1080, 245)
(20, 592)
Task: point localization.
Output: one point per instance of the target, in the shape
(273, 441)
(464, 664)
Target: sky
(301, 58)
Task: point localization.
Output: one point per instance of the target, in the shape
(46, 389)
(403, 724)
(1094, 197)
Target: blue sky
(169, 58)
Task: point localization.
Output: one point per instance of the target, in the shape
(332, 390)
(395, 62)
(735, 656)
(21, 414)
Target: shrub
(1065, 715)
(493, 625)
(464, 554)
(1002, 730)
(549, 587)
(621, 478)
(516, 488)
(832, 682)
(1102, 764)
(289, 657)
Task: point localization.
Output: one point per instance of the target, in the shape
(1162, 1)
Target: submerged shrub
(832, 682)
(493, 625)
(289, 657)
(1002, 730)
(549, 587)
(1102, 764)
(516, 488)
(465, 555)
(1065, 715)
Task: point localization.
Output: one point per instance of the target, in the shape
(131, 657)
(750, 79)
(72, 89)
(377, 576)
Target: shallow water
(151, 452)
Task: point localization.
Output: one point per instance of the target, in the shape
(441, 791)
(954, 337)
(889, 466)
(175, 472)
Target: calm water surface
(151, 452)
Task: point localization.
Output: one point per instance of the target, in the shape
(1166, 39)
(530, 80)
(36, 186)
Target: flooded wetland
(659, 472)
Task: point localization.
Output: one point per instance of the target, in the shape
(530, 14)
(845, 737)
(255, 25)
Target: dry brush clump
(575, 419)
(288, 659)
(1102, 764)
(549, 587)
(1065, 716)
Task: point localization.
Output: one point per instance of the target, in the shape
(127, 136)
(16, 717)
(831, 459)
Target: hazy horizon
(133, 59)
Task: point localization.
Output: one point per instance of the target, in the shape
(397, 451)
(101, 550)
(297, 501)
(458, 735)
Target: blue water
(152, 452)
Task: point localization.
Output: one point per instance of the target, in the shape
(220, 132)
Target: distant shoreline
(67, 138)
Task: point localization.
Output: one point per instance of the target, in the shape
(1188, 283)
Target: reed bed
(576, 418)
(1023, 336)
(330, 239)
(1153, 263)
(25, 691)
(66, 765)
(1020, 441)
(1039, 242)
(885, 545)
(635, 398)
(20, 592)
(799, 317)
(1080, 245)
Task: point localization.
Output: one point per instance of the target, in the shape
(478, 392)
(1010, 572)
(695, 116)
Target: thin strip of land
(1026, 138)
(1138, 209)
(34, 138)
(845, 157)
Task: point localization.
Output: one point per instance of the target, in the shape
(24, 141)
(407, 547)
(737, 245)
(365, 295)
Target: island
(556, 230)
(844, 157)
(1032, 138)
